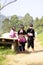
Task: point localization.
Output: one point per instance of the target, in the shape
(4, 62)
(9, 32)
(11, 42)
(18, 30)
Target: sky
(21, 7)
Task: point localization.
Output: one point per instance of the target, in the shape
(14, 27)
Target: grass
(40, 36)
(2, 60)
(3, 52)
(6, 51)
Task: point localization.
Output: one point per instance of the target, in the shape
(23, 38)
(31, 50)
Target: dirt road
(27, 58)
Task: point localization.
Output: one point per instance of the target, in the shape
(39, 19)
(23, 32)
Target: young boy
(31, 36)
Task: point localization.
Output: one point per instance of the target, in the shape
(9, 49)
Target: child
(22, 39)
(13, 33)
(31, 35)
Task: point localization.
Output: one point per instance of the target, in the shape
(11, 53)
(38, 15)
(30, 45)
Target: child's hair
(31, 25)
(13, 28)
(22, 26)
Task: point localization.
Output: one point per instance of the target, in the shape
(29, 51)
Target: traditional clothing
(22, 39)
(31, 35)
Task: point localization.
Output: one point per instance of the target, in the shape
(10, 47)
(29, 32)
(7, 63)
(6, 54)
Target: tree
(36, 22)
(6, 25)
(26, 20)
(14, 20)
(41, 20)
(38, 25)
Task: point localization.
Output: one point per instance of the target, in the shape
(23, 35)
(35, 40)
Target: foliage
(3, 52)
(40, 36)
(6, 25)
(38, 25)
(14, 20)
(2, 59)
(26, 20)
(6, 51)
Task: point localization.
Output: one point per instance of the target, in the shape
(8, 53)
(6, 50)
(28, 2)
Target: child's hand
(19, 44)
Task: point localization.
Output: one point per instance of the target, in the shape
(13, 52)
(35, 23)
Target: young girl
(22, 39)
(31, 35)
(13, 33)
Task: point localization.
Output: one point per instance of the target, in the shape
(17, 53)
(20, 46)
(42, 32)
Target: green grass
(2, 60)
(3, 52)
(6, 51)
(40, 36)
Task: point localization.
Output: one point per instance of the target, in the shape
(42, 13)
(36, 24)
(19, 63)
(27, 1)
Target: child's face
(21, 28)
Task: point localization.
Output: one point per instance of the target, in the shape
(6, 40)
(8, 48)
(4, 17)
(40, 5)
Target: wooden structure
(12, 41)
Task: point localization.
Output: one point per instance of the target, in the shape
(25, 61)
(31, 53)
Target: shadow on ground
(28, 52)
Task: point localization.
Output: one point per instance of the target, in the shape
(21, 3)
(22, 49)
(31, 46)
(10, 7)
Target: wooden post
(16, 46)
(12, 46)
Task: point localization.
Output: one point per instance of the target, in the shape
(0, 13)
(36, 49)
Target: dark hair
(31, 25)
(21, 26)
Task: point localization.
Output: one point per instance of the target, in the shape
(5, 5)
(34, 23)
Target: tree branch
(7, 4)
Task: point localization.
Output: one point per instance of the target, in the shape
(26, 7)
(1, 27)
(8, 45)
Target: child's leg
(23, 46)
(20, 48)
(28, 44)
(32, 45)
(32, 49)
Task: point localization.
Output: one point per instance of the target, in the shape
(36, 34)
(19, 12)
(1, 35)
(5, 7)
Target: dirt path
(27, 58)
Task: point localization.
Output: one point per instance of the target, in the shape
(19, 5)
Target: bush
(40, 36)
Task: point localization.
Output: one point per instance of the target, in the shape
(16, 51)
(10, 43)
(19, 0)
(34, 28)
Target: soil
(28, 57)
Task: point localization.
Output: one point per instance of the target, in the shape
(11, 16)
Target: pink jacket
(12, 34)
